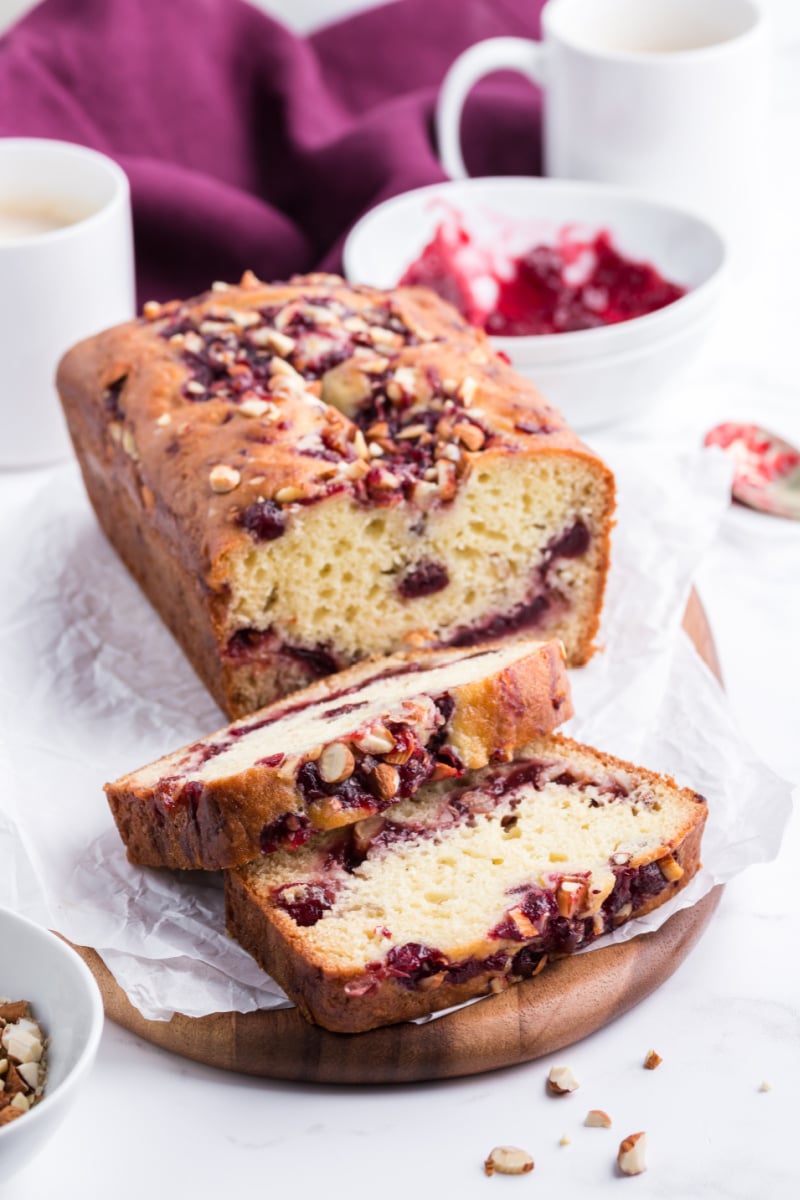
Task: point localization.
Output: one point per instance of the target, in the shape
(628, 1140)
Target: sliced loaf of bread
(344, 749)
(469, 887)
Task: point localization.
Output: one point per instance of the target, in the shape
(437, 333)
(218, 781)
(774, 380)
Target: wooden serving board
(569, 1000)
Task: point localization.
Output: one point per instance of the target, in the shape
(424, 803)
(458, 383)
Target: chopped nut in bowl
(51, 1018)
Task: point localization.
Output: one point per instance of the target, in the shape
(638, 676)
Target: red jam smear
(760, 457)
(578, 283)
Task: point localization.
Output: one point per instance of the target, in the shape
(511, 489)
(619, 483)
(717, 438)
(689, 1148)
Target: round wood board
(569, 1000)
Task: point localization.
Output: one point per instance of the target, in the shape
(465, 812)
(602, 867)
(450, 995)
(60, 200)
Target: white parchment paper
(92, 685)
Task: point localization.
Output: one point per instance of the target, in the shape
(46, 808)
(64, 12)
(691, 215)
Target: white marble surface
(152, 1124)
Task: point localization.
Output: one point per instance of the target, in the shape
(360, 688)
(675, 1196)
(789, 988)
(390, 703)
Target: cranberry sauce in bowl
(598, 295)
(579, 281)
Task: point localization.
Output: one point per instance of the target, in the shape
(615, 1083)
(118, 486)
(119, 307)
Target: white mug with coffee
(664, 96)
(66, 271)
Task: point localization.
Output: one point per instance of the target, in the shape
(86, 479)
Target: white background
(152, 1124)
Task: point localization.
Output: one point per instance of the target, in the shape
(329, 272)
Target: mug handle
(494, 54)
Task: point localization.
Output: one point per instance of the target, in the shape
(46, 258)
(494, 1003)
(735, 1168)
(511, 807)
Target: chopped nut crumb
(336, 763)
(631, 1154)
(508, 1160)
(561, 1081)
(223, 478)
(564, 1140)
(765, 1086)
(597, 1119)
(652, 1060)
(22, 1060)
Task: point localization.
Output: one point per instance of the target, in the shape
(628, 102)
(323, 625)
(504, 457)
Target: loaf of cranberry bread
(345, 748)
(470, 887)
(302, 475)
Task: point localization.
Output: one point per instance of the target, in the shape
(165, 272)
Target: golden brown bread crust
(221, 823)
(333, 998)
(147, 452)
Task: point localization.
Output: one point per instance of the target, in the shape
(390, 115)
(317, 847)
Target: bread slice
(341, 750)
(468, 888)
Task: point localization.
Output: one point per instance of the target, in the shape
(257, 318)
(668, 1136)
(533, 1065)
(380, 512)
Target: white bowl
(595, 376)
(37, 966)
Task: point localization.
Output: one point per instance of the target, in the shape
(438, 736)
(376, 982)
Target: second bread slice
(341, 750)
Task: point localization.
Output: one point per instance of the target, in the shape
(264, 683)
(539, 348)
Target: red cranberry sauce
(262, 645)
(424, 579)
(578, 283)
(413, 963)
(264, 519)
(289, 832)
(546, 599)
(414, 763)
(305, 903)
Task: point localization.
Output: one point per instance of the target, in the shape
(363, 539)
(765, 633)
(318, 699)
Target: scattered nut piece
(360, 444)
(560, 1081)
(249, 280)
(219, 285)
(597, 1119)
(470, 435)
(631, 1154)
(213, 327)
(129, 445)
(336, 763)
(446, 478)
(564, 1140)
(195, 388)
(377, 739)
(279, 366)
(244, 318)
(255, 407)
(223, 478)
(670, 868)
(387, 781)
(467, 389)
(355, 470)
(286, 495)
(652, 1060)
(522, 922)
(508, 1160)
(765, 1086)
(364, 833)
(151, 309)
(570, 897)
(281, 343)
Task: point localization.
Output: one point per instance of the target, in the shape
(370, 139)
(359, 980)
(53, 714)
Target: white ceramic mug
(66, 271)
(664, 96)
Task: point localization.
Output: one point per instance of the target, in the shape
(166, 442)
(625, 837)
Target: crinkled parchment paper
(92, 685)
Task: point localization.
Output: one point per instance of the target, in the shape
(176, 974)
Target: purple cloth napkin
(245, 145)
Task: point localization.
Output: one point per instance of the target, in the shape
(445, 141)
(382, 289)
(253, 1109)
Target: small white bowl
(595, 376)
(37, 966)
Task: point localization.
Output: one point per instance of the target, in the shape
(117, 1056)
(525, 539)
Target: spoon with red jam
(766, 468)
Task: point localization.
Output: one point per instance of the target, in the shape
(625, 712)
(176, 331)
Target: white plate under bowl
(595, 376)
(37, 966)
